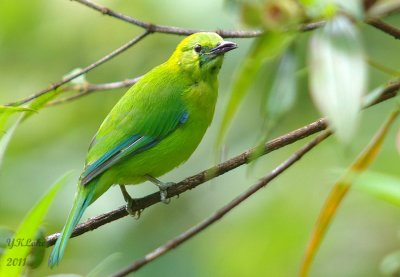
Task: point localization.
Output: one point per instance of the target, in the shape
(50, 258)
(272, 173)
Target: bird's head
(201, 54)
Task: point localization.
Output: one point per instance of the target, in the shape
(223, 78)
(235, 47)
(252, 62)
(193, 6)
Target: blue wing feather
(112, 152)
(127, 148)
(184, 117)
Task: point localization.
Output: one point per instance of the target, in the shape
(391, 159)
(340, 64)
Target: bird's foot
(163, 191)
(130, 202)
(163, 188)
(133, 213)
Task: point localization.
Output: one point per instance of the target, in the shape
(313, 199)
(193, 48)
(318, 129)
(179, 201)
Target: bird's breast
(201, 99)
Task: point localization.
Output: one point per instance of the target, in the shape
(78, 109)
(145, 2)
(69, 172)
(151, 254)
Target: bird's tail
(82, 200)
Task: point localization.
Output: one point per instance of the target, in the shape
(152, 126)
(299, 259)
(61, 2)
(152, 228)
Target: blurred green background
(40, 41)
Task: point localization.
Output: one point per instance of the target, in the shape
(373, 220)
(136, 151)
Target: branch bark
(63, 81)
(380, 25)
(375, 22)
(195, 230)
(153, 28)
(86, 89)
(215, 171)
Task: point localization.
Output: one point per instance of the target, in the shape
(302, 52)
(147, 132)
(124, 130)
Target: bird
(155, 126)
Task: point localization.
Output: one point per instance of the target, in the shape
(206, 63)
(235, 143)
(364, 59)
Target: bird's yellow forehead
(205, 39)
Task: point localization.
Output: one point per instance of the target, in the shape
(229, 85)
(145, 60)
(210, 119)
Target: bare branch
(87, 88)
(215, 171)
(195, 230)
(152, 28)
(183, 31)
(108, 57)
(165, 29)
(377, 23)
(388, 29)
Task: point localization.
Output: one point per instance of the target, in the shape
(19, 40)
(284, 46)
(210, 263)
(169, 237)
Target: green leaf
(281, 97)
(15, 109)
(398, 141)
(382, 186)
(7, 111)
(38, 250)
(34, 106)
(341, 189)
(14, 260)
(41, 101)
(5, 140)
(264, 48)
(283, 91)
(338, 75)
(4, 117)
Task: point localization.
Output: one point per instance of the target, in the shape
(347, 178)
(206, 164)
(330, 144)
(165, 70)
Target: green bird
(153, 128)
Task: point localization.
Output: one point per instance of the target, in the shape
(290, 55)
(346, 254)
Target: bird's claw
(163, 192)
(130, 202)
(163, 187)
(134, 213)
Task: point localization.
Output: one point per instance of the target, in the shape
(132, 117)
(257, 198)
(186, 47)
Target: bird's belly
(158, 160)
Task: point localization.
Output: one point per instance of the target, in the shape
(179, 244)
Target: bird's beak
(223, 47)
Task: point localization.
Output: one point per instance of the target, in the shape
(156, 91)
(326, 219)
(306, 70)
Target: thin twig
(183, 31)
(388, 29)
(87, 88)
(84, 70)
(215, 171)
(152, 28)
(165, 29)
(377, 23)
(195, 230)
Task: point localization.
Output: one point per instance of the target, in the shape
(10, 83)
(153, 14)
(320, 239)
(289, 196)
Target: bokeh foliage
(42, 41)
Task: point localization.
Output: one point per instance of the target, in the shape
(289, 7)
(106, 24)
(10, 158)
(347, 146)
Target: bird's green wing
(150, 111)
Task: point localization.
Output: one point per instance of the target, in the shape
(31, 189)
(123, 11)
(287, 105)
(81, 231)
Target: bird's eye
(197, 48)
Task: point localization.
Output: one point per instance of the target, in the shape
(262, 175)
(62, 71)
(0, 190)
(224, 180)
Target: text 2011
(16, 261)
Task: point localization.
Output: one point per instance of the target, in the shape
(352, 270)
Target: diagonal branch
(375, 22)
(184, 31)
(215, 171)
(195, 180)
(87, 88)
(65, 80)
(195, 230)
(388, 29)
(164, 29)
(153, 28)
